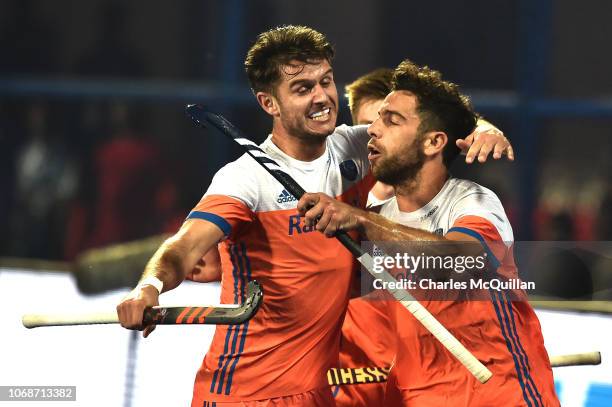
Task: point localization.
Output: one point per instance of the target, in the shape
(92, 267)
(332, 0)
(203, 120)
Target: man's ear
(268, 103)
(434, 142)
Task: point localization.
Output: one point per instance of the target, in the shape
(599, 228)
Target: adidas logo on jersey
(431, 212)
(285, 197)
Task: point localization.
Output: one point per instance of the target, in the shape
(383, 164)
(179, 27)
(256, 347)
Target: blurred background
(95, 148)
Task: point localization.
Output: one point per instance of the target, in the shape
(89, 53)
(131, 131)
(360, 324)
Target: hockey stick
(374, 374)
(578, 359)
(203, 118)
(208, 315)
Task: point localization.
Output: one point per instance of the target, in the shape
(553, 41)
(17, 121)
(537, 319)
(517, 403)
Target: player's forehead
(367, 112)
(399, 101)
(295, 70)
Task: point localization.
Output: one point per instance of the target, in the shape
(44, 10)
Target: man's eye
(387, 120)
(326, 81)
(302, 90)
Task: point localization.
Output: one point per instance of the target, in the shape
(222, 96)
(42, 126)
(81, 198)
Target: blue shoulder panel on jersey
(211, 217)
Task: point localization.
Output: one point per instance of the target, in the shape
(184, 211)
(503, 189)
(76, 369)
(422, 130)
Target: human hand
(131, 309)
(485, 138)
(327, 214)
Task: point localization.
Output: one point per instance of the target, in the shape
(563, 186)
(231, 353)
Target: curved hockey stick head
(241, 314)
(205, 118)
(222, 315)
(196, 113)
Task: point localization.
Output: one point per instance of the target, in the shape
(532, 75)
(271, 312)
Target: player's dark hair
(277, 47)
(439, 104)
(371, 86)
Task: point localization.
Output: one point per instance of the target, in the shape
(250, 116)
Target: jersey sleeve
(481, 216)
(483, 213)
(229, 201)
(356, 142)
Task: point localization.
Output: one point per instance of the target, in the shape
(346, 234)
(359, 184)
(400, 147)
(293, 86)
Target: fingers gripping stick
(206, 118)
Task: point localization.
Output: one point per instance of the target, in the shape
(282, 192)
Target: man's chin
(321, 131)
(327, 127)
(378, 175)
(383, 173)
(393, 174)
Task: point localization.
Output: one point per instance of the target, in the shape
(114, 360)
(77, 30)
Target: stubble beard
(403, 168)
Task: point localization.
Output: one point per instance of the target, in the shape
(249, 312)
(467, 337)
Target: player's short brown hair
(375, 85)
(440, 105)
(277, 47)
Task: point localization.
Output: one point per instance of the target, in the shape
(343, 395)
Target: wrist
(362, 218)
(153, 282)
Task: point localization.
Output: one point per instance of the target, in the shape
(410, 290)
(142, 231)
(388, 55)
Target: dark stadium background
(87, 87)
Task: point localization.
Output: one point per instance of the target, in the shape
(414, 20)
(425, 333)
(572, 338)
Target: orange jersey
(288, 346)
(368, 340)
(503, 334)
(319, 397)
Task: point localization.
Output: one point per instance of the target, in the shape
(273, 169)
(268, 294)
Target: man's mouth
(321, 115)
(373, 152)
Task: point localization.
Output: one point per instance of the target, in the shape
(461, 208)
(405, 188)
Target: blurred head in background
(366, 94)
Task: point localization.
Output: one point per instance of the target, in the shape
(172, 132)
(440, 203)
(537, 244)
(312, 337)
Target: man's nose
(374, 129)
(320, 95)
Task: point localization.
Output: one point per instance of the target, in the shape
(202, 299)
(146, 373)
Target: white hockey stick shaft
(577, 359)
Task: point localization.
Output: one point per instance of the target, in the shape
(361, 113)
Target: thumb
(461, 143)
(465, 142)
(147, 331)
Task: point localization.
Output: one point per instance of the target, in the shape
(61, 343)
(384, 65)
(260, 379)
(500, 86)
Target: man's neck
(417, 193)
(302, 149)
